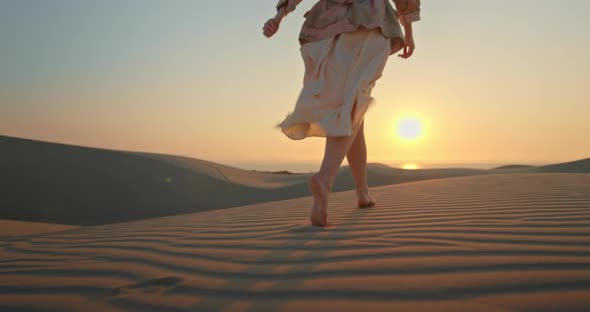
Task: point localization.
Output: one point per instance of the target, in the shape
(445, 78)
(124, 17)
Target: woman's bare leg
(357, 160)
(321, 183)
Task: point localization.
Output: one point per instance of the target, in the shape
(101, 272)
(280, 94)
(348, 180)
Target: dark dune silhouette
(66, 184)
(57, 183)
(512, 167)
(577, 166)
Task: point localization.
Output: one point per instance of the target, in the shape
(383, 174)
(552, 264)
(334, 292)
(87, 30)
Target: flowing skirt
(340, 73)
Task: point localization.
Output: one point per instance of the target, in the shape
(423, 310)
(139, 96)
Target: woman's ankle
(323, 179)
(364, 190)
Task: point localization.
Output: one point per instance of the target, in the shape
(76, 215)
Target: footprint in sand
(151, 286)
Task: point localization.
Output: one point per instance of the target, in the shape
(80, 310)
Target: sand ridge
(511, 242)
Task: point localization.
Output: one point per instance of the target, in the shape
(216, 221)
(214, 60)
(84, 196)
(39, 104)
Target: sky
(490, 82)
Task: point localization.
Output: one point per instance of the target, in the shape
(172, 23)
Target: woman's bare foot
(364, 199)
(320, 190)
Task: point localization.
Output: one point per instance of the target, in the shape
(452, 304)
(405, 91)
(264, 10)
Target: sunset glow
(410, 167)
(157, 76)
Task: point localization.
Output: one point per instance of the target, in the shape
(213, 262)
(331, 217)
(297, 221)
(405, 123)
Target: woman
(345, 45)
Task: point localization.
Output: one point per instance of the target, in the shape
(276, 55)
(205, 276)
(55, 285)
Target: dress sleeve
(289, 5)
(409, 10)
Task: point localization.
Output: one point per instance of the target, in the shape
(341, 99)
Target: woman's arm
(287, 6)
(410, 45)
(409, 12)
(284, 7)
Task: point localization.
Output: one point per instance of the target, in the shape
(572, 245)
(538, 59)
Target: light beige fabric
(340, 73)
(331, 17)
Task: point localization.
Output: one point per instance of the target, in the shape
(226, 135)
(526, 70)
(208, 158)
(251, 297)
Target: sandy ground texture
(510, 242)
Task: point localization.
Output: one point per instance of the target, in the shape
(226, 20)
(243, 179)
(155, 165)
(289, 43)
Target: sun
(409, 128)
(410, 167)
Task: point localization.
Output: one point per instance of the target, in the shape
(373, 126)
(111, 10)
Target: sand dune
(10, 229)
(578, 166)
(498, 242)
(230, 174)
(66, 184)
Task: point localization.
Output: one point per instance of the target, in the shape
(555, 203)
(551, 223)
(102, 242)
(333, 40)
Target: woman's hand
(410, 46)
(271, 27)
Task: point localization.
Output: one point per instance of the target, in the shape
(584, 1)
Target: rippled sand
(511, 242)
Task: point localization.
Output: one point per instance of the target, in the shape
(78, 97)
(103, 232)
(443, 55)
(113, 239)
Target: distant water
(313, 167)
